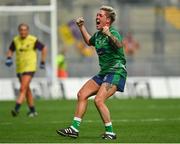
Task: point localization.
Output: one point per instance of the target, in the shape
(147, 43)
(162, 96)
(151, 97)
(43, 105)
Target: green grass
(133, 120)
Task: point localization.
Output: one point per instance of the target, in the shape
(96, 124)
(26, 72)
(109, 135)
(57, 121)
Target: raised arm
(83, 30)
(113, 39)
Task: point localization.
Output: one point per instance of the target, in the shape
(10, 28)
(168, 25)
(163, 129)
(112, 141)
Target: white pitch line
(137, 120)
(93, 121)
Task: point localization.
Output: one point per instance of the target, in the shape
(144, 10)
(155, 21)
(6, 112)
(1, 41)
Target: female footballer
(111, 77)
(25, 46)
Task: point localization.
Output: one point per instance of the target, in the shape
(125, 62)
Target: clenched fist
(106, 31)
(80, 21)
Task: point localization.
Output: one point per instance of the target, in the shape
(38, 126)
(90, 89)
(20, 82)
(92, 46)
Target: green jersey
(111, 58)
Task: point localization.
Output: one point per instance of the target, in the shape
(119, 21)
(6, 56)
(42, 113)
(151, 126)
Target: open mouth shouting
(98, 26)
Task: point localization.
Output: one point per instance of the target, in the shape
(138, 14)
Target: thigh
(106, 90)
(20, 75)
(25, 80)
(115, 79)
(89, 88)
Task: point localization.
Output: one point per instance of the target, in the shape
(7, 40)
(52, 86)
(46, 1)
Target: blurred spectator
(61, 65)
(84, 50)
(131, 45)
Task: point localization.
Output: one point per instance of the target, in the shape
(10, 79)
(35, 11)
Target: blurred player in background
(112, 76)
(62, 64)
(25, 46)
(130, 44)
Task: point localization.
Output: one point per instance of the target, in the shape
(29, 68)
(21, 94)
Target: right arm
(83, 30)
(9, 55)
(10, 50)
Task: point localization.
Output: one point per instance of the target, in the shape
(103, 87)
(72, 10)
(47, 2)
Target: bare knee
(82, 96)
(23, 89)
(28, 90)
(98, 102)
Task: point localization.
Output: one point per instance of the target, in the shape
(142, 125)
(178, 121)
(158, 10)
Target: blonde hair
(110, 12)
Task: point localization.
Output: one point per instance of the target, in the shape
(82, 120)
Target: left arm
(43, 58)
(43, 54)
(115, 41)
(41, 47)
(112, 38)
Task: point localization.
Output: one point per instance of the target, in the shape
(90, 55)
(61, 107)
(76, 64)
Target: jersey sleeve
(117, 35)
(12, 46)
(92, 40)
(39, 45)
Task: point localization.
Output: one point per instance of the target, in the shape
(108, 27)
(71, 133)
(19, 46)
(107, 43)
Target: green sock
(108, 127)
(76, 123)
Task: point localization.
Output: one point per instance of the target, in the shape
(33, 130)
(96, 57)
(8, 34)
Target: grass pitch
(136, 120)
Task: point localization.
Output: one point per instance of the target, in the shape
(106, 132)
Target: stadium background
(145, 112)
(154, 24)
